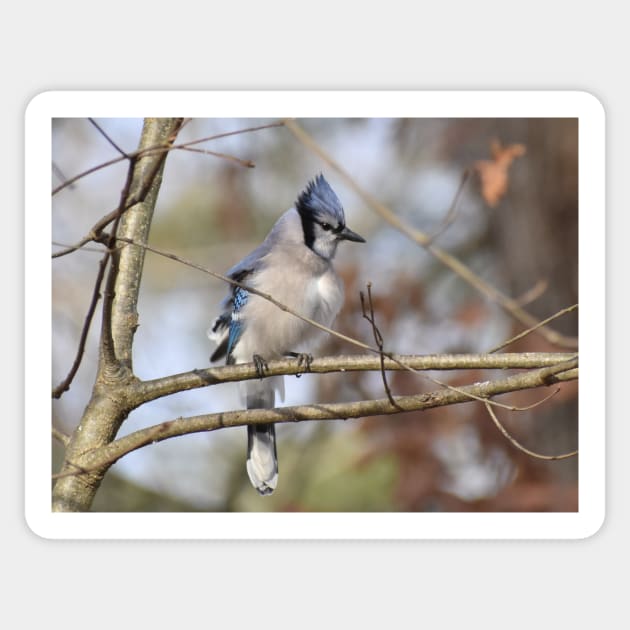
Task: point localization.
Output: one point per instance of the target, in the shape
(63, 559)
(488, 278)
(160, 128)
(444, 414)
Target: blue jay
(294, 265)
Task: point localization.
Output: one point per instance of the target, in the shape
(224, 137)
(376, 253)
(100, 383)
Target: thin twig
(108, 138)
(451, 215)
(70, 183)
(537, 403)
(531, 295)
(226, 134)
(96, 294)
(95, 233)
(378, 338)
(155, 148)
(564, 311)
(521, 447)
(568, 365)
(96, 250)
(225, 156)
(126, 202)
(58, 172)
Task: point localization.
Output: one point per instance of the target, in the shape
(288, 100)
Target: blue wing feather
(239, 299)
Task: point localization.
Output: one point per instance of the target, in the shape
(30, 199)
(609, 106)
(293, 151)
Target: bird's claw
(261, 365)
(305, 359)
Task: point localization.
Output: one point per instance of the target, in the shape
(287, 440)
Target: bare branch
(451, 215)
(378, 338)
(135, 223)
(93, 235)
(96, 249)
(565, 366)
(107, 353)
(532, 294)
(96, 294)
(167, 385)
(564, 311)
(522, 448)
(109, 403)
(278, 123)
(128, 198)
(538, 402)
(159, 148)
(70, 182)
(225, 156)
(58, 172)
(108, 138)
(101, 458)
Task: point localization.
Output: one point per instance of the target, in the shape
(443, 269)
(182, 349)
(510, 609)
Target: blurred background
(516, 226)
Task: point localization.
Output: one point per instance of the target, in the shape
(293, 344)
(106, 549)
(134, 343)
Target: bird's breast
(326, 298)
(313, 293)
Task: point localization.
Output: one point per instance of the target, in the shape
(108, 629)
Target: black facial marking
(317, 206)
(309, 231)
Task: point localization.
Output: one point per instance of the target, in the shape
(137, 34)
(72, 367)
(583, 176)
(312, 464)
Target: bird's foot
(260, 365)
(304, 359)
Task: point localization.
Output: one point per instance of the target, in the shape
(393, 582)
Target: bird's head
(323, 219)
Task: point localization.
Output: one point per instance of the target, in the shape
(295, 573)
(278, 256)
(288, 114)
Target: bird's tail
(262, 458)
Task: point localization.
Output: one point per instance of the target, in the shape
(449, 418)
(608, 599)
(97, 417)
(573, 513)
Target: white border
(582, 105)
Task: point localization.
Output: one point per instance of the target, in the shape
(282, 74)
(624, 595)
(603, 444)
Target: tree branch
(96, 294)
(451, 215)
(135, 224)
(378, 339)
(108, 137)
(100, 459)
(564, 311)
(159, 148)
(519, 446)
(110, 402)
(165, 386)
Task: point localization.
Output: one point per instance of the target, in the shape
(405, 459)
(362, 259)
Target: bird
(294, 265)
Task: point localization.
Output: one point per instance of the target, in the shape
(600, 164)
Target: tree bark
(109, 406)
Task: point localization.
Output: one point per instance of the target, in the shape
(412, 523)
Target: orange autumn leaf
(494, 173)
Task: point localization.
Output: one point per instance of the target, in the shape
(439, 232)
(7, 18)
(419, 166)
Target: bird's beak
(348, 235)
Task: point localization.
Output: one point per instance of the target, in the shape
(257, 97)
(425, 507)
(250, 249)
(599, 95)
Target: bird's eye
(326, 226)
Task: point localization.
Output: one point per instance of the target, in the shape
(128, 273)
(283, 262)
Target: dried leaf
(494, 173)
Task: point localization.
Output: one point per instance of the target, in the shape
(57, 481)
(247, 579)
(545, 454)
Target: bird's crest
(319, 199)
